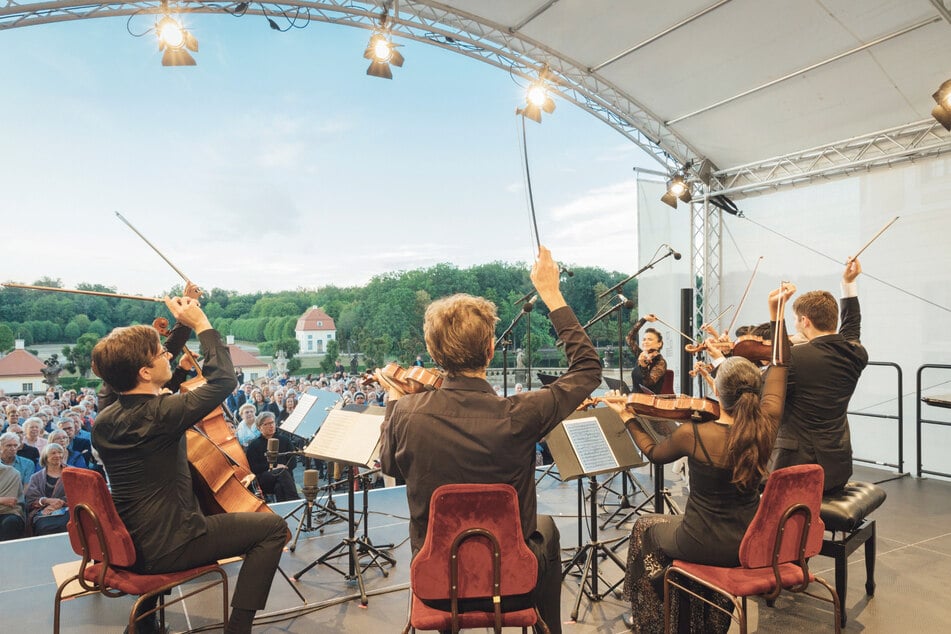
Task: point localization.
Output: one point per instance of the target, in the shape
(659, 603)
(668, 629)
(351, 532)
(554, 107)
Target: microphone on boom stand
(273, 448)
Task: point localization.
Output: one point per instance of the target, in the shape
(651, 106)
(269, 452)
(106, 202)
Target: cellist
(141, 440)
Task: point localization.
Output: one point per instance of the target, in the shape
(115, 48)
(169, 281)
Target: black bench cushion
(844, 510)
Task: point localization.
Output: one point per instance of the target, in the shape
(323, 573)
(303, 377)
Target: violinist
(728, 459)
(823, 374)
(464, 433)
(650, 367)
(141, 440)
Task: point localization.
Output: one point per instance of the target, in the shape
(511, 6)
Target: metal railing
(899, 417)
(919, 420)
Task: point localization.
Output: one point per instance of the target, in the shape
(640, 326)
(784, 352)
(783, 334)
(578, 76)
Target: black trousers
(11, 527)
(259, 537)
(280, 483)
(545, 542)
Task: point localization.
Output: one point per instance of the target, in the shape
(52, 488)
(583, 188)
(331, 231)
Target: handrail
(919, 420)
(899, 417)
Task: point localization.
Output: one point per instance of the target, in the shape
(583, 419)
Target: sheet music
(352, 437)
(304, 403)
(590, 445)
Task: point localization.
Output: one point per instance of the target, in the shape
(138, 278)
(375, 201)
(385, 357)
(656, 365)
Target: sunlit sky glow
(277, 163)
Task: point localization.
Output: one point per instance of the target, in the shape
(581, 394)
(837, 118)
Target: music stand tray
(584, 445)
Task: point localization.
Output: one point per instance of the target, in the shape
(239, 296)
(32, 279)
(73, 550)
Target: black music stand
(586, 444)
(351, 438)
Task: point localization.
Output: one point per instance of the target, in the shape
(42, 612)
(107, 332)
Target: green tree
(330, 358)
(6, 337)
(79, 357)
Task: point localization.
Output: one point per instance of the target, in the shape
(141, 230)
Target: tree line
(382, 320)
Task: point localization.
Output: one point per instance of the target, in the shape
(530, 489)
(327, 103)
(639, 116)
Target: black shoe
(148, 625)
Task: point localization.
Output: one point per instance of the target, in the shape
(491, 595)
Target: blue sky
(277, 163)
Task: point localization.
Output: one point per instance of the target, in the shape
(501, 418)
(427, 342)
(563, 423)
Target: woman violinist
(650, 367)
(728, 459)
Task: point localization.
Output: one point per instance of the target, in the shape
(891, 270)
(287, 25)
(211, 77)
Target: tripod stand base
(590, 576)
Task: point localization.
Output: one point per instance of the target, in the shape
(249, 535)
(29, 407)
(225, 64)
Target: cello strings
(829, 257)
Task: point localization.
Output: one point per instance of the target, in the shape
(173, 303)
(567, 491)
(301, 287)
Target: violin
(753, 349)
(670, 406)
(409, 381)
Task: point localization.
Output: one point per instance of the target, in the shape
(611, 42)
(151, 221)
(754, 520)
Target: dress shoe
(148, 625)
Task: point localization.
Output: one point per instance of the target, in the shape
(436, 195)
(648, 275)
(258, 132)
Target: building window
(319, 324)
(320, 347)
(27, 387)
(310, 344)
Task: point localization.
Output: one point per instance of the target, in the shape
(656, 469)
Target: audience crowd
(40, 434)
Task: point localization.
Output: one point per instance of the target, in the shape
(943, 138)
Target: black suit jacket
(822, 377)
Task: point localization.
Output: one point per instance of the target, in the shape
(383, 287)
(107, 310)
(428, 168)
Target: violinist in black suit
(823, 373)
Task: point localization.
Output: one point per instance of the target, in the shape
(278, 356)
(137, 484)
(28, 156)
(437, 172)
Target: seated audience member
(72, 459)
(33, 433)
(728, 459)
(79, 446)
(12, 523)
(25, 451)
(45, 496)
(246, 429)
(9, 444)
(278, 481)
(290, 404)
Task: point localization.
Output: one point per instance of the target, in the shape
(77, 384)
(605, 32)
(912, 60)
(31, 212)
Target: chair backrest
(668, 385)
(785, 488)
(456, 508)
(95, 530)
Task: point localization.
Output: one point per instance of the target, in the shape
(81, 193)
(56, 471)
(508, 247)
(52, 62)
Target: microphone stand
(617, 287)
(504, 341)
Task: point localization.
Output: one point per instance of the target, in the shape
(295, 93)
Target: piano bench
(844, 512)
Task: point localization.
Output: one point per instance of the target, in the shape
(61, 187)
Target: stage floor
(913, 569)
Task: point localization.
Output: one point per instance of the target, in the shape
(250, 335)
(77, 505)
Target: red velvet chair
(668, 385)
(98, 535)
(785, 532)
(474, 569)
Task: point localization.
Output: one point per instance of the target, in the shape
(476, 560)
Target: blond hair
(460, 331)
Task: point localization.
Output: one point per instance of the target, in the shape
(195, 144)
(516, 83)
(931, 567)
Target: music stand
(302, 424)
(353, 439)
(658, 429)
(584, 445)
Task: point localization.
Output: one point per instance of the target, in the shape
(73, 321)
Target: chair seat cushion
(844, 510)
(424, 617)
(133, 583)
(744, 582)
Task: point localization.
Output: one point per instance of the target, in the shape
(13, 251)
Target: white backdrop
(905, 292)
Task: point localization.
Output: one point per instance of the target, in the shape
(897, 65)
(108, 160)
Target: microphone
(677, 256)
(627, 303)
(530, 304)
(310, 488)
(273, 446)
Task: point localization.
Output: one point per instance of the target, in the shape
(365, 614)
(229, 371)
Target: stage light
(175, 41)
(537, 99)
(942, 111)
(677, 189)
(382, 53)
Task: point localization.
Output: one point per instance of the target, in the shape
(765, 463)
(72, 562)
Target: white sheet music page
(352, 437)
(590, 445)
(304, 403)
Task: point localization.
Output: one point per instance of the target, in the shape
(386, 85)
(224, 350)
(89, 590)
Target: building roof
(315, 319)
(21, 363)
(244, 359)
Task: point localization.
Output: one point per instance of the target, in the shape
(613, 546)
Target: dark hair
(119, 356)
(739, 383)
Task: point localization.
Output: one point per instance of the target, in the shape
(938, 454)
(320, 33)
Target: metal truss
(705, 260)
(887, 148)
(430, 23)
